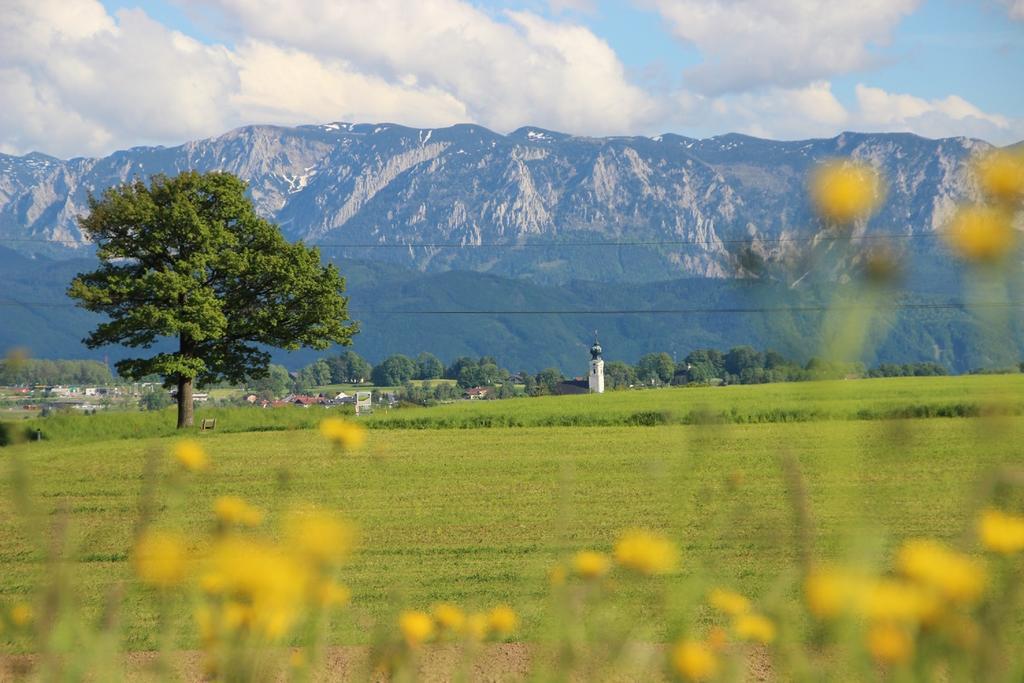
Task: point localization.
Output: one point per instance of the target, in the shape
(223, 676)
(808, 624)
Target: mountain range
(465, 218)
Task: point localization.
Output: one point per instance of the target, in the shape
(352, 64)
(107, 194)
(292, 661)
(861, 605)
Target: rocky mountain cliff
(480, 199)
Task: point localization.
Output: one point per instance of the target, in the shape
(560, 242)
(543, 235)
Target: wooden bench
(208, 423)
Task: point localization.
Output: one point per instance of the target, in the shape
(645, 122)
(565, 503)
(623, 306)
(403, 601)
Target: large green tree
(188, 258)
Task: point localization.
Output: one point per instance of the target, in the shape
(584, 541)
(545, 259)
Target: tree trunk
(186, 414)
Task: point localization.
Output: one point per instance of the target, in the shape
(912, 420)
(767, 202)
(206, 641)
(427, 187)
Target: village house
(476, 393)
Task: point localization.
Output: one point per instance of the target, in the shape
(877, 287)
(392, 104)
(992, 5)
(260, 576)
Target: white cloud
(814, 111)
(78, 80)
(952, 115)
(1015, 8)
(75, 79)
(787, 43)
(292, 87)
(508, 69)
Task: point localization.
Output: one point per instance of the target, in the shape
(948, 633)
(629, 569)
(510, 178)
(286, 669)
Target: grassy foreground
(478, 517)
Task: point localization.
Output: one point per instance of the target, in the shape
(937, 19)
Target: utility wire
(952, 305)
(820, 237)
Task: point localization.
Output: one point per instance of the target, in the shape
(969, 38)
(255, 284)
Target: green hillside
(403, 311)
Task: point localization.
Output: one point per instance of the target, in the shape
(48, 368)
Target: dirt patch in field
(503, 662)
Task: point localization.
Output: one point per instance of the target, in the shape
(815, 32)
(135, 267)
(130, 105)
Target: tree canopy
(188, 258)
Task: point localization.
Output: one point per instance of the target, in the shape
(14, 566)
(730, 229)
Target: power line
(739, 310)
(819, 237)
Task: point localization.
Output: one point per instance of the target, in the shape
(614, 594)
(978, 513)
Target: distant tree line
(51, 372)
(738, 365)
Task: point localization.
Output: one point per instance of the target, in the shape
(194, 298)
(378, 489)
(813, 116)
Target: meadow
(479, 516)
(868, 399)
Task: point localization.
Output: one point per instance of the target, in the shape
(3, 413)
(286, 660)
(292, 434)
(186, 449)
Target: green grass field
(873, 399)
(478, 516)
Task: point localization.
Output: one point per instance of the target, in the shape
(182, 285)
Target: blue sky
(119, 72)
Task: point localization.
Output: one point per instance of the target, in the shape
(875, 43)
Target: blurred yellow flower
(22, 614)
(160, 559)
(981, 234)
(268, 587)
(502, 620)
(955, 576)
(588, 564)
(830, 592)
(237, 616)
(206, 625)
(890, 644)
(646, 552)
(755, 628)
(449, 617)
(416, 627)
(881, 264)
(728, 602)
(344, 434)
(320, 536)
(694, 660)
(212, 584)
(476, 626)
(896, 601)
(333, 594)
(297, 659)
(1001, 532)
(843, 191)
(191, 455)
(234, 510)
(1001, 174)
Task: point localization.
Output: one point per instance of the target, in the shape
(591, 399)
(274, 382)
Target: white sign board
(364, 403)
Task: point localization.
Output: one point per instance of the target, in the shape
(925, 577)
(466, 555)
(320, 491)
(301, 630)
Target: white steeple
(596, 377)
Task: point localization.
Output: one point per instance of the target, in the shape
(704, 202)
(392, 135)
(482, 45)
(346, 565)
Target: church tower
(596, 378)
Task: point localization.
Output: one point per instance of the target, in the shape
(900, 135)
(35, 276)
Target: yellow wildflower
(889, 644)
(728, 602)
(206, 626)
(191, 455)
(895, 601)
(297, 659)
(588, 564)
(881, 264)
(981, 234)
(449, 617)
(320, 536)
(160, 559)
(416, 627)
(234, 510)
(269, 585)
(347, 435)
(646, 552)
(842, 192)
(502, 620)
(955, 576)
(333, 594)
(1001, 532)
(212, 583)
(476, 626)
(754, 627)
(1001, 175)
(694, 660)
(22, 614)
(237, 616)
(830, 592)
